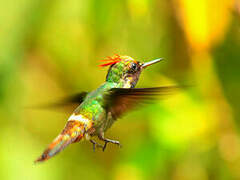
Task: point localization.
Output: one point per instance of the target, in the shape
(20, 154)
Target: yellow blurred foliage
(204, 21)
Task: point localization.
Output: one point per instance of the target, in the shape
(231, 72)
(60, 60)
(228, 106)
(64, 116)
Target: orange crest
(111, 60)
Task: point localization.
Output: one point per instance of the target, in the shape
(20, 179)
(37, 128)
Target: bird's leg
(101, 137)
(94, 144)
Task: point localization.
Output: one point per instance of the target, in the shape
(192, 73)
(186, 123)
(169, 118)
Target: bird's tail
(73, 132)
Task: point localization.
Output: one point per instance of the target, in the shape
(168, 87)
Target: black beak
(151, 62)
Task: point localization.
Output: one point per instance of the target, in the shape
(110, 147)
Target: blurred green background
(52, 48)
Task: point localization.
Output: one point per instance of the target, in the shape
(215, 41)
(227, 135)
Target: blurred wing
(121, 100)
(72, 100)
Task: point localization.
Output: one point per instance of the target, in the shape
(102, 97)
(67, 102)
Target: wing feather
(121, 100)
(69, 101)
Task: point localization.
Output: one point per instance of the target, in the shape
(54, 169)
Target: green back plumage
(92, 107)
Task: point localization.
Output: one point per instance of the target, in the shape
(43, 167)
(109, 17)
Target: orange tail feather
(73, 131)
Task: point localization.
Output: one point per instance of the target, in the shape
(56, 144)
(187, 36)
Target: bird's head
(125, 70)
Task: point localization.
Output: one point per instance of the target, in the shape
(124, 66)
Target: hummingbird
(99, 109)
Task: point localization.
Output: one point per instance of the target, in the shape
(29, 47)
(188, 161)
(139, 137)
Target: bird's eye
(134, 67)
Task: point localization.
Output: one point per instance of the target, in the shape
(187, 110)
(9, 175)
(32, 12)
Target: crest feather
(111, 60)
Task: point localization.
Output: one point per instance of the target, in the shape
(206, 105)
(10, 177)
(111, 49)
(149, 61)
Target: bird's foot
(96, 144)
(110, 141)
